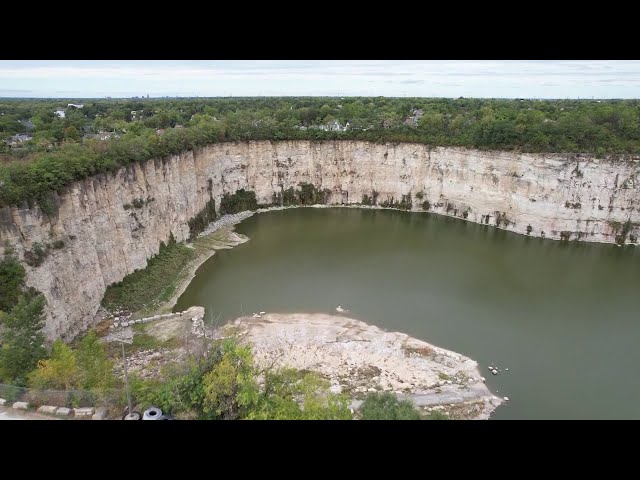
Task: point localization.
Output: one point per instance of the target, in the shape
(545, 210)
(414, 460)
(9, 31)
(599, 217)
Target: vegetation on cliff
(198, 223)
(12, 276)
(107, 134)
(21, 322)
(152, 285)
(306, 194)
(240, 201)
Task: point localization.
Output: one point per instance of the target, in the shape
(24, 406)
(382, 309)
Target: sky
(390, 78)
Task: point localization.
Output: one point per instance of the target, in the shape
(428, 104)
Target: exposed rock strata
(106, 237)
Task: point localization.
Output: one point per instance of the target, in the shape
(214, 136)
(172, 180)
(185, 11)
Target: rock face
(111, 224)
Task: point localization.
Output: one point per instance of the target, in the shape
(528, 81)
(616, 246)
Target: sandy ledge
(359, 358)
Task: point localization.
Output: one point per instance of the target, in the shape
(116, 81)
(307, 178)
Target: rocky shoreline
(359, 358)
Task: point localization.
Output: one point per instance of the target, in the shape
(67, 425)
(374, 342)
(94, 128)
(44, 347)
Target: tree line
(106, 134)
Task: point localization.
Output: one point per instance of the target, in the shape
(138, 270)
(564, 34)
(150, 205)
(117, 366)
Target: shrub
(37, 255)
(385, 406)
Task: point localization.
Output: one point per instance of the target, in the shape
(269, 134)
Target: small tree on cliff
(11, 280)
(22, 338)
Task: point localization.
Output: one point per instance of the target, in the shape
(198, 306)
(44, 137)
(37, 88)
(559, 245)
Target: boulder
(3, 402)
(63, 412)
(101, 413)
(21, 405)
(84, 412)
(47, 409)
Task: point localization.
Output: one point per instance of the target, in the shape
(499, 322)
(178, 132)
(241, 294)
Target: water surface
(562, 317)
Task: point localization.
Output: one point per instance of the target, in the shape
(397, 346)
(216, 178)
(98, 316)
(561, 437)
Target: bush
(11, 393)
(224, 385)
(36, 257)
(385, 406)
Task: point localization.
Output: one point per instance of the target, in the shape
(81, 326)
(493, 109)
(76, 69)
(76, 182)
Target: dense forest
(47, 143)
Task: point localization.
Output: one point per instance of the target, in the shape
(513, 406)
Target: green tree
(385, 406)
(231, 386)
(71, 134)
(12, 276)
(59, 372)
(95, 367)
(22, 338)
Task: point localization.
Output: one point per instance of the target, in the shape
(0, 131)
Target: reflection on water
(562, 317)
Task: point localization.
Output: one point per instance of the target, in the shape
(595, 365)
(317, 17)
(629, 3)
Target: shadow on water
(561, 316)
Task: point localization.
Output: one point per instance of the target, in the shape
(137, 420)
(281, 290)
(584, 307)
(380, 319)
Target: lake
(562, 317)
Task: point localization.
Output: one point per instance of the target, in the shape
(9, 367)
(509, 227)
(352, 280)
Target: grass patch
(147, 288)
(444, 376)
(418, 351)
(144, 341)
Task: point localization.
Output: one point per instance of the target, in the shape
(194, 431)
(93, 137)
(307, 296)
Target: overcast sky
(392, 78)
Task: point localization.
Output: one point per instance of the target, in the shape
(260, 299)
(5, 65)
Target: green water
(562, 317)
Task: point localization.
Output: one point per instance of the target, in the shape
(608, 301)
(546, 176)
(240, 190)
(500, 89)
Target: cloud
(529, 78)
(10, 91)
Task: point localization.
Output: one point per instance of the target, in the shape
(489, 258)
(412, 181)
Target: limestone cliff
(107, 226)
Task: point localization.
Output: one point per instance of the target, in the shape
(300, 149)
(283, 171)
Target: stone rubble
(226, 220)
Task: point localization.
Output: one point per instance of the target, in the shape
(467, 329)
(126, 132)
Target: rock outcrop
(358, 358)
(107, 226)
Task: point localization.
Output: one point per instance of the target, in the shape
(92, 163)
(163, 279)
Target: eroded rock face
(111, 224)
